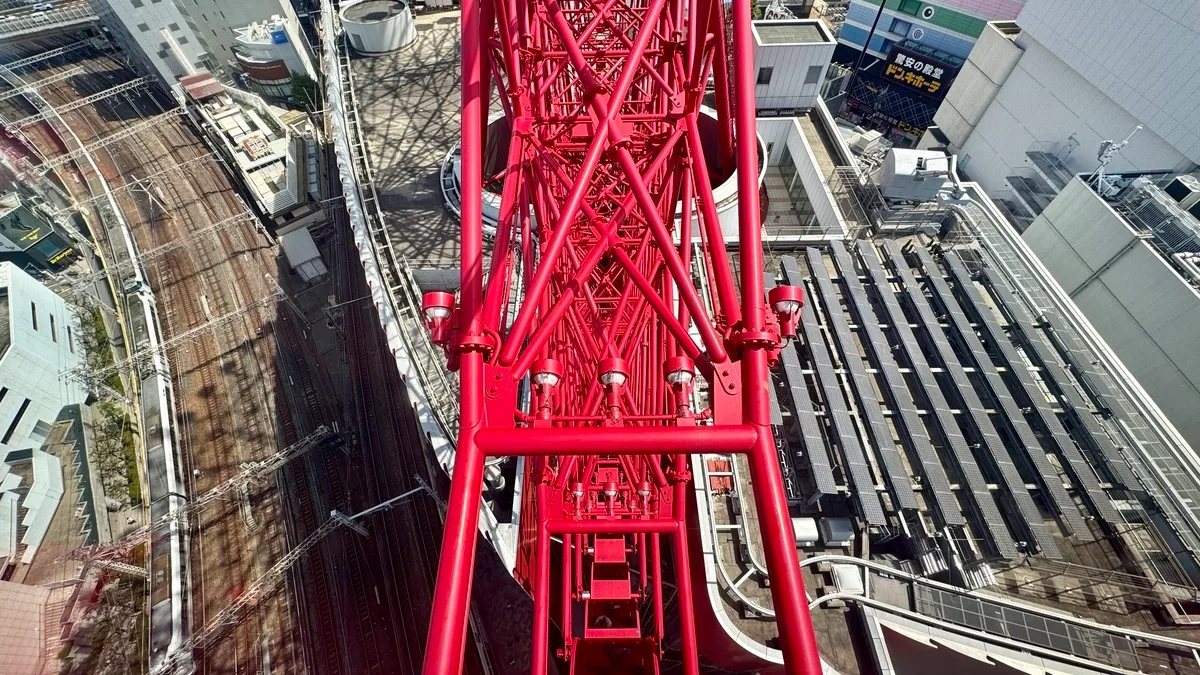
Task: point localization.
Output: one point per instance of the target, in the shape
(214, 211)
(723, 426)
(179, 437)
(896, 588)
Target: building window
(900, 26)
(910, 6)
(813, 75)
(173, 26)
(214, 33)
(885, 45)
(183, 40)
(764, 75)
(136, 3)
(33, 312)
(143, 27)
(12, 427)
(3, 392)
(53, 331)
(221, 13)
(41, 430)
(204, 16)
(70, 340)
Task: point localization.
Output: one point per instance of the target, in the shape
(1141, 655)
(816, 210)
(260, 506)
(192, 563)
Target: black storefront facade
(899, 96)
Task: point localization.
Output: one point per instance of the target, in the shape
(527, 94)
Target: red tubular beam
(566, 441)
(796, 638)
(683, 575)
(445, 647)
(658, 525)
(541, 590)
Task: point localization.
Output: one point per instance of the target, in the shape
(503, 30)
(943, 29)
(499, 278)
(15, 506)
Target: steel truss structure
(606, 187)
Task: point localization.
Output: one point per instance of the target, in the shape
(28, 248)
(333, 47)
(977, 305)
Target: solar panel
(1075, 404)
(932, 472)
(1081, 472)
(782, 451)
(835, 406)
(816, 450)
(989, 517)
(993, 446)
(868, 405)
(1051, 482)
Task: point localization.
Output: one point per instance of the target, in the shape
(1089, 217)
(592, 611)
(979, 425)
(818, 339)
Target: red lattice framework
(606, 192)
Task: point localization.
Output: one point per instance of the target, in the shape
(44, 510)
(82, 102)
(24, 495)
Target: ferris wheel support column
(446, 645)
(797, 640)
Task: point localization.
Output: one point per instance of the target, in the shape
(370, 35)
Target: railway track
(246, 389)
(220, 379)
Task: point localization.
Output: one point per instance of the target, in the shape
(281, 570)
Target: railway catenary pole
(603, 103)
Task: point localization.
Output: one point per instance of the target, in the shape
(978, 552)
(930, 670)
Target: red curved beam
(590, 298)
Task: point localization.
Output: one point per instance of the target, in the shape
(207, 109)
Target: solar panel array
(782, 451)
(1079, 468)
(991, 522)
(868, 405)
(1052, 483)
(993, 446)
(835, 407)
(1090, 377)
(932, 471)
(816, 451)
(1075, 404)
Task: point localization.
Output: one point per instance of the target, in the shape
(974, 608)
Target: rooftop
(370, 11)
(790, 32)
(254, 135)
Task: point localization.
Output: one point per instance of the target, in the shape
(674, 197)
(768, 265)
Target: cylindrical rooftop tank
(378, 26)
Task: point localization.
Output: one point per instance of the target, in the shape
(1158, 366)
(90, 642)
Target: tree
(755, 10)
(305, 91)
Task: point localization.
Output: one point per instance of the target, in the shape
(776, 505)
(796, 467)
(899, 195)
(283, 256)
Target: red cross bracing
(606, 339)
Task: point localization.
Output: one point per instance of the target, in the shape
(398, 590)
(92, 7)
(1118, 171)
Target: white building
(791, 57)
(1029, 112)
(159, 33)
(269, 53)
(179, 37)
(39, 342)
(1068, 75)
(273, 150)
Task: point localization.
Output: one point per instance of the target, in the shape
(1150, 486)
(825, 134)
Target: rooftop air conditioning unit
(1185, 190)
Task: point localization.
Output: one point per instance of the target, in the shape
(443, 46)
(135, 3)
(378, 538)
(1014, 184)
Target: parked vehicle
(44, 6)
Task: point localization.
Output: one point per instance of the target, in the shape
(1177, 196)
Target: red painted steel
(606, 199)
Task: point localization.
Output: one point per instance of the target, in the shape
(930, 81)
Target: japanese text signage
(917, 72)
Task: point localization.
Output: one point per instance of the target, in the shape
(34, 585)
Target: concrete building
(951, 26)
(269, 53)
(792, 57)
(273, 150)
(1125, 261)
(1036, 104)
(174, 38)
(157, 33)
(39, 344)
(1037, 97)
(938, 33)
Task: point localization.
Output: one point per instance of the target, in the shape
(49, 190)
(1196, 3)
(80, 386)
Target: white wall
(33, 367)
(1140, 53)
(790, 64)
(214, 21)
(143, 24)
(1140, 305)
(975, 87)
(1043, 100)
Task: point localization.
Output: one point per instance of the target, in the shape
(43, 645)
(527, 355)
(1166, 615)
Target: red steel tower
(590, 301)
